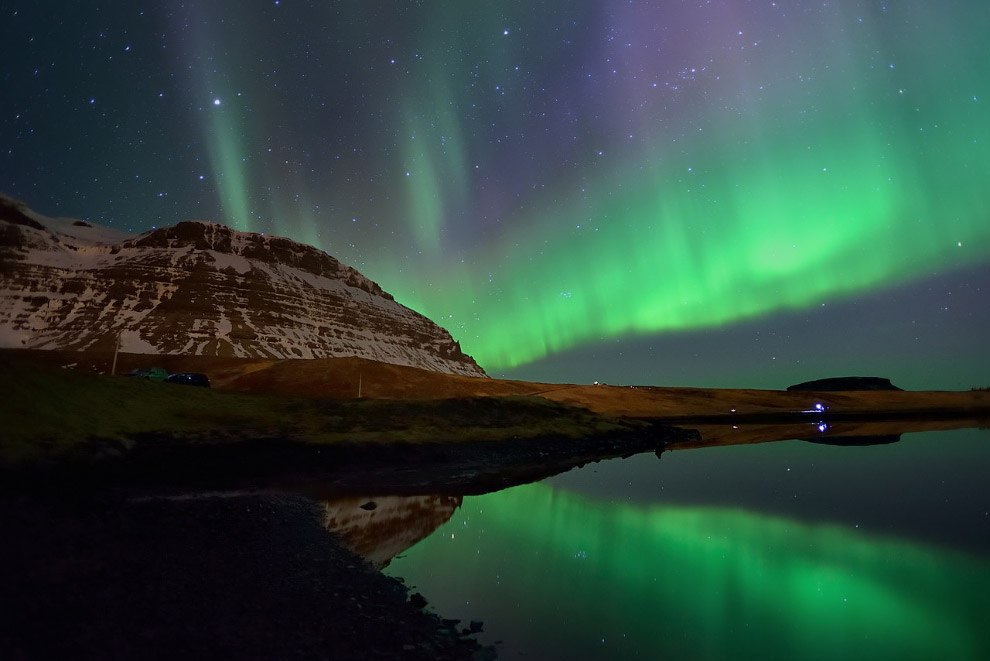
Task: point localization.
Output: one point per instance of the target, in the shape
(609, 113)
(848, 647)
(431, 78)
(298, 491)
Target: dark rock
(845, 383)
(200, 576)
(417, 600)
(14, 211)
(369, 506)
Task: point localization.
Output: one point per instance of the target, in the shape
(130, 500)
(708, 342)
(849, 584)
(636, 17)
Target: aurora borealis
(585, 181)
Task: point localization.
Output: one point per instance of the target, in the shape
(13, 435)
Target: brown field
(263, 421)
(341, 378)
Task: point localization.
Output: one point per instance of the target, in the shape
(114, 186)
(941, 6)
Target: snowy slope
(200, 288)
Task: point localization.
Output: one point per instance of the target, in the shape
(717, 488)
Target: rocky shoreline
(119, 576)
(236, 460)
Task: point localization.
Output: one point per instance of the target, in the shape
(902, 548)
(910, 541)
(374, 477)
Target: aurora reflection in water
(557, 574)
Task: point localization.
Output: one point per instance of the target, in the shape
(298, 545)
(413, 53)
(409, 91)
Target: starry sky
(714, 193)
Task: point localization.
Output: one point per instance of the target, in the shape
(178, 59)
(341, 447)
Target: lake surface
(776, 550)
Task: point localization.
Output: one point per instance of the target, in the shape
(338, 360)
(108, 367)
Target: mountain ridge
(200, 288)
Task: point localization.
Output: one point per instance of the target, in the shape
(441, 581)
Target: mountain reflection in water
(556, 573)
(379, 528)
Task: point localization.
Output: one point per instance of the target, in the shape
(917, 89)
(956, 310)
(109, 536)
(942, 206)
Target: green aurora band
(225, 126)
(695, 582)
(226, 155)
(789, 234)
(813, 172)
(784, 203)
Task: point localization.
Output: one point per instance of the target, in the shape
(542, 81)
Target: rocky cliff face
(200, 288)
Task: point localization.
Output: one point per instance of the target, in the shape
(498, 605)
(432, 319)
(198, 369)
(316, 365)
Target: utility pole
(359, 385)
(116, 348)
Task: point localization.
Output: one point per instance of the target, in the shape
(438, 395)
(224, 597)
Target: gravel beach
(209, 576)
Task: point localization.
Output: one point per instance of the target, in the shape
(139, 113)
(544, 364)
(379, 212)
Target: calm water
(776, 550)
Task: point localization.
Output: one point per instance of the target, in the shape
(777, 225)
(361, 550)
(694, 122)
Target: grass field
(49, 411)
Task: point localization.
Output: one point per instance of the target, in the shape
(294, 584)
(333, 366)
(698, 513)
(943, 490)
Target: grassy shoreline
(264, 414)
(52, 411)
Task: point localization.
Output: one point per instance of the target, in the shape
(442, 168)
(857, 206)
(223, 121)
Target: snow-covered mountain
(199, 288)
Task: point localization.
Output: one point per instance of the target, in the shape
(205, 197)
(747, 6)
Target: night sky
(716, 193)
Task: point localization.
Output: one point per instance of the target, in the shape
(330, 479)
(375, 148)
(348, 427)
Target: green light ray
(296, 219)
(224, 127)
(426, 214)
(696, 582)
(434, 155)
(230, 170)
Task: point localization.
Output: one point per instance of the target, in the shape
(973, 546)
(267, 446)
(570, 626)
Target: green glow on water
(554, 573)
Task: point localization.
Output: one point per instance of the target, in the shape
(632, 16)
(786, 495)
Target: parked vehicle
(152, 373)
(189, 379)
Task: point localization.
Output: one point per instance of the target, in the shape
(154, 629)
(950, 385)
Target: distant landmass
(845, 383)
(200, 288)
(855, 441)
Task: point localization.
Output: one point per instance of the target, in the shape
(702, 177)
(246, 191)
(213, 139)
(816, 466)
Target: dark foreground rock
(845, 384)
(200, 577)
